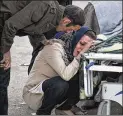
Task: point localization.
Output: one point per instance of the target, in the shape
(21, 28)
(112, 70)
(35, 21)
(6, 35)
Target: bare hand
(86, 48)
(6, 62)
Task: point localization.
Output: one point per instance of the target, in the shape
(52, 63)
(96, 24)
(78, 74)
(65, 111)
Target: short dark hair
(91, 34)
(75, 13)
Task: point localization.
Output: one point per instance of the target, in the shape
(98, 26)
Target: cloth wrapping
(109, 16)
(109, 45)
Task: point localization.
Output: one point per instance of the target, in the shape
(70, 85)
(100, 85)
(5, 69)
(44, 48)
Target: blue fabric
(78, 35)
(59, 34)
(119, 93)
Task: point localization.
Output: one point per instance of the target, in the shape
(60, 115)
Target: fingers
(67, 21)
(90, 44)
(93, 45)
(7, 64)
(1, 65)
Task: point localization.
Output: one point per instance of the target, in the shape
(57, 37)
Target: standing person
(33, 18)
(36, 45)
(54, 69)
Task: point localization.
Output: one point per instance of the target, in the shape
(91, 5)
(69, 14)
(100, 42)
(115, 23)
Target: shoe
(59, 112)
(78, 111)
(88, 104)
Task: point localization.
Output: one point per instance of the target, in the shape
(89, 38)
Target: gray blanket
(109, 16)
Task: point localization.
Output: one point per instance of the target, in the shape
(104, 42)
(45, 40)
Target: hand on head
(85, 49)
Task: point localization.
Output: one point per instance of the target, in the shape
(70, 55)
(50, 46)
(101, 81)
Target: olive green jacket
(29, 18)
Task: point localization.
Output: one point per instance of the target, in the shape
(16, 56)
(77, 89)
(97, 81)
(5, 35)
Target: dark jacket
(91, 18)
(29, 17)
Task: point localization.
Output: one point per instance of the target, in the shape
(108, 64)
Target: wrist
(60, 28)
(78, 59)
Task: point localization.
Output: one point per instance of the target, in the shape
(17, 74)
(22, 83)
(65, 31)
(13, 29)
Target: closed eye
(81, 43)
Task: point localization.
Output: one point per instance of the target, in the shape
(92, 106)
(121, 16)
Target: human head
(82, 37)
(73, 18)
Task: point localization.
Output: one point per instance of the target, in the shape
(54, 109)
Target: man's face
(81, 44)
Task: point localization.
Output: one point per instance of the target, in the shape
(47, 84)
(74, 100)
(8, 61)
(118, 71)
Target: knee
(61, 85)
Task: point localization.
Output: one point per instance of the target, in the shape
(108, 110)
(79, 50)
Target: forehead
(86, 39)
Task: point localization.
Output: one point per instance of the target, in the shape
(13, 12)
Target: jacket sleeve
(25, 17)
(55, 59)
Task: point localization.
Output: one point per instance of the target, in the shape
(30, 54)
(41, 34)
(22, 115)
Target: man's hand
(6, 62)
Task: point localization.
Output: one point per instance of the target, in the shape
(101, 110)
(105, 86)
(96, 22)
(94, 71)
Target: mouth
(78, 52)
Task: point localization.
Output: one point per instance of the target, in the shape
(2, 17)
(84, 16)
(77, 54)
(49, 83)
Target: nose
(79, 50)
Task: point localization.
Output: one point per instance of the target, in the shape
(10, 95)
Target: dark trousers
(4, 82)
(56, 90)
(4, 78)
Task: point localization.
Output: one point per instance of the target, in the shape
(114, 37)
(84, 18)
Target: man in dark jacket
(31, 18)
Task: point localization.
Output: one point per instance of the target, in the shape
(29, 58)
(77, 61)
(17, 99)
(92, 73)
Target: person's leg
(4, 82)
(73, 92)
(55, 90)
(72, 99)
(72, 95)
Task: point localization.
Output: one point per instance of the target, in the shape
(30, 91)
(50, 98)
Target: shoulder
(54, 47)
(54, 50)
(51, 4)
